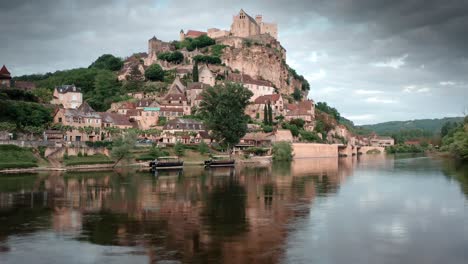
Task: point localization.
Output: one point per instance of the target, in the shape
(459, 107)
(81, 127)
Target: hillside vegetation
(433, 126)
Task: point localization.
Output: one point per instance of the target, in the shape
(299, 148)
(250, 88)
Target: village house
(257, 87)
(206, 76)
(149, 117)
(85, 123)
(176, 102)
(304, 110)
(186, 131)
(256, 110)
(194, 90)
(69, 96)
(5, 77)
(125, 107)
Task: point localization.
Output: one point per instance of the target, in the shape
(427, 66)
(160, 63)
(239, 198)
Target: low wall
(314, 150)
(27, 143)
(58, 152)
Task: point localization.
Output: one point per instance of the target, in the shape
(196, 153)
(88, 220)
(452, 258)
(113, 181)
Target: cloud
(350, 45)
(447, 83)
(363, 117)
(394, 63)
(415, 89)
(380, 100)
(361, 91)
(317, 75)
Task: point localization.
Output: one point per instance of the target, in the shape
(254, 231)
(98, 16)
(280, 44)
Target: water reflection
(241, 215)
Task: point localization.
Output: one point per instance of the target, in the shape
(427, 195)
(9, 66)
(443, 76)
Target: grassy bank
(16, 157)
(87, 160)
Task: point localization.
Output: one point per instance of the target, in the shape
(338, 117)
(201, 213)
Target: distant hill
(429, 125)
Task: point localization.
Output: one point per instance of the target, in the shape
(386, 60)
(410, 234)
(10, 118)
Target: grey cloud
(351, 37)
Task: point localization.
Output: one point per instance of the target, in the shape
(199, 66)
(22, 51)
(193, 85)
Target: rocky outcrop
(262, 61)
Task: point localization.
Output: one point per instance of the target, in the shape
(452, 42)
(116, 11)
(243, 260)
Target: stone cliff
(262, 61)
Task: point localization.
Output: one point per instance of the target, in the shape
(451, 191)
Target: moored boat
(169, 162)
(220, 161)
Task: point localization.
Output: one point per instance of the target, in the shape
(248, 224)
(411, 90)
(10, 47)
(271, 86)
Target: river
(373, 209)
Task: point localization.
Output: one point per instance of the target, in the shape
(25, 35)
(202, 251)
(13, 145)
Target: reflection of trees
(458, 172)
(224, 212)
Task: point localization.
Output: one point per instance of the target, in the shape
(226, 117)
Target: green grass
(87, 160)
(12, 156)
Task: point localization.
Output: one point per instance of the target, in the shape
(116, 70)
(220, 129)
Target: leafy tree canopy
(107, 62)
(222, 110)
(155, 73)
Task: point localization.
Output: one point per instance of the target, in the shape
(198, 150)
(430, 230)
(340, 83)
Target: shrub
(256, 150)
(282, 151)
(154, 73)
(179, 149)
(203, 147)
(207, 59)
(174, 57)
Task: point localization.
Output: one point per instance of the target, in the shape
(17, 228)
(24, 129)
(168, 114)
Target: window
(60, 120)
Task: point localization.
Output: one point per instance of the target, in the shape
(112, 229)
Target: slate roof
(116, 119)
(68, 88)
(185, 124)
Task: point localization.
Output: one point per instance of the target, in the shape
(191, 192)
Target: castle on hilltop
(243, 26)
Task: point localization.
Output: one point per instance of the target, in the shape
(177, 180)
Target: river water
(374, 209)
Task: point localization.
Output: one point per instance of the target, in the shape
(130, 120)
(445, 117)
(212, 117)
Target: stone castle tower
(244, 26)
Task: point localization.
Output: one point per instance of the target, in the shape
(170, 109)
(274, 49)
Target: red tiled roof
(194, 34)
(4, 71)
(127, 105)
(264, 99)
(181, 70)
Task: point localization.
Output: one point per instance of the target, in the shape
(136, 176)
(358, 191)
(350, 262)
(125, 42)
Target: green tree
(179, 149)
(106, 89)
(265, 115)
(134, 80)
(44, 94)
(155, 73)
(282, 151)
(123, 146)
(324, 107)
(222, 109)
(270, 114)
(107, 62)
(297, 95)
(203, 147)
(195, 72)
(7, 126)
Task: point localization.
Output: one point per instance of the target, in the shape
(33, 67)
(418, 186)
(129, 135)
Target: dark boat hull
(166, 165)
(220, 163)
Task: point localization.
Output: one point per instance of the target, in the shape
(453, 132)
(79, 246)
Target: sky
(374, 60)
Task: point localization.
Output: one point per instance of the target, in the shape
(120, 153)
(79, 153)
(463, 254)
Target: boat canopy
(168, 157)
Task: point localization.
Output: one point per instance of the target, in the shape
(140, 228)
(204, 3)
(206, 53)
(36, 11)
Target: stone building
(186, 131)
(5, 77)
(256, 110)
(245, 26)
(156, 46)
(190, 34)
(377, 141)
(304, 110)
(257, 87)
(85, 123)
(206, 76)
(69, 96)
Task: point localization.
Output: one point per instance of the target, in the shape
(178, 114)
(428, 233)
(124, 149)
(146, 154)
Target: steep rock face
(262, 62)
